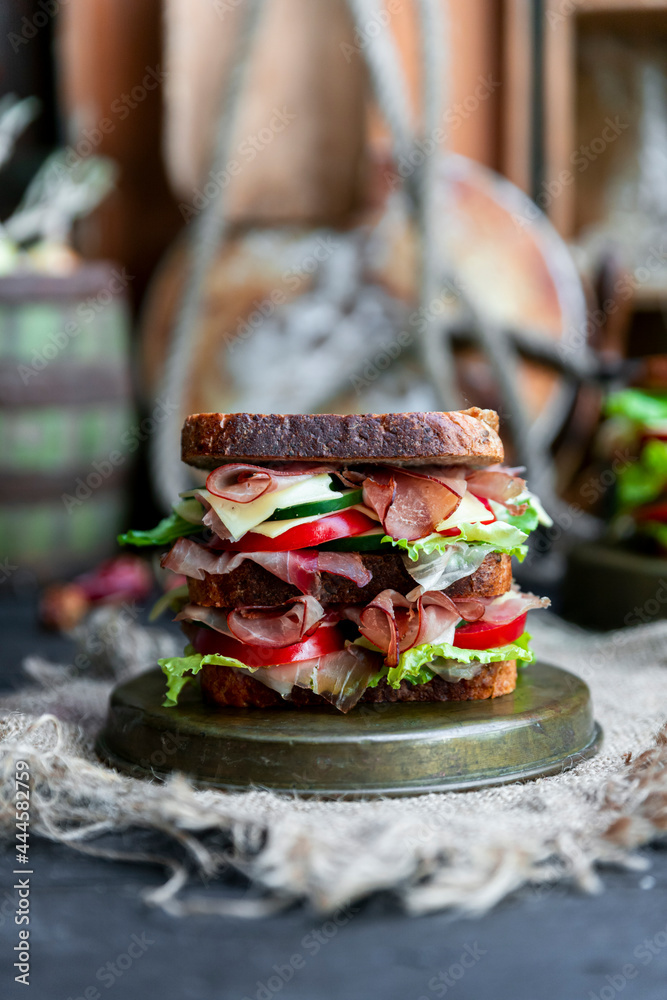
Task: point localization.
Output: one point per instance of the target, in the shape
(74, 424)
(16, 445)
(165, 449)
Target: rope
(387, 78)
(435, 348)
(208, 232)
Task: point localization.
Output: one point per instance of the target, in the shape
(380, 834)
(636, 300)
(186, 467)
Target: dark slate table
(91, 936)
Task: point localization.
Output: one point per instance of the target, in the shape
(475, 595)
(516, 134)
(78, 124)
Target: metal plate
(544, 726)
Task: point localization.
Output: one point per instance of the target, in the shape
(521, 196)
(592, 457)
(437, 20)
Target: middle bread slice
(250, 584)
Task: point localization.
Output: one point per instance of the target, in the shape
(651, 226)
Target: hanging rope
(208, 232)
(435, 348)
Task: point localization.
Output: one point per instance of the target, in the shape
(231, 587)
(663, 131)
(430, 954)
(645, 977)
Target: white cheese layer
(241, 517)
(468, 511)
(274, 528)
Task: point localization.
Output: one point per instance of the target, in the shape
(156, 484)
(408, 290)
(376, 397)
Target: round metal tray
(543, 727)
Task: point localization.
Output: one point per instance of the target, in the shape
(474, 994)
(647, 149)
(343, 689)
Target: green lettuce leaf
(181, 669)
(503, 536)
(413, 663)
(638, 406)
(645, 480)
(167, 531)
(526, 522)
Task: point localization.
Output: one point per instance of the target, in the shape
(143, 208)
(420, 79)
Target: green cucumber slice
(370, 542)
(317, 507)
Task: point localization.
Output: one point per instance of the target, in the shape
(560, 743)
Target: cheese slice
(272, 529)
(468, 511)
(241, 517)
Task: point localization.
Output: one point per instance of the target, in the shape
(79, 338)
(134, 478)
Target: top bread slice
(461, 437)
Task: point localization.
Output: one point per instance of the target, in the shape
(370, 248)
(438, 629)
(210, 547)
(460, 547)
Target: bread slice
(252, 584)
(227, 688)
(462, 437)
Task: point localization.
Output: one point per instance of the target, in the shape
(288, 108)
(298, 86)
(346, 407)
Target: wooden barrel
(67, 424)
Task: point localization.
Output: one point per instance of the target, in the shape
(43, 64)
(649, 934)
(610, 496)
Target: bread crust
(460, 437)
(251, 584)
(227, 688)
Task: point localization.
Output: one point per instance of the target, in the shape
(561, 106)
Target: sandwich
(635, 436)
(337, 560)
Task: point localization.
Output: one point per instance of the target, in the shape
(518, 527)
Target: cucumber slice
(317, 507)
(369, 542)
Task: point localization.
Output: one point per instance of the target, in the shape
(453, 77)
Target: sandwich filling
(298, 521)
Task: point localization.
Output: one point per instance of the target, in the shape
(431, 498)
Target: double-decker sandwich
(338, 559)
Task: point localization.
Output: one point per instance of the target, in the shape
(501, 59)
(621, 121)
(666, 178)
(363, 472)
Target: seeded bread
(224, 687)
(252, 584)
(461, 437)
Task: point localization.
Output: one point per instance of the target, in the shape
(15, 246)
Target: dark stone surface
(556, 944)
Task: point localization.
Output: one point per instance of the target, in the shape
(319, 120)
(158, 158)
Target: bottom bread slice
(225, 687)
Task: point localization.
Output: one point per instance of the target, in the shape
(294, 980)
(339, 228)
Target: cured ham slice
(341, 677)
(243, 483)
(274, 627)
(496, 484)
(410, 504)
(509, 607)
(394, 624)
(300, 567)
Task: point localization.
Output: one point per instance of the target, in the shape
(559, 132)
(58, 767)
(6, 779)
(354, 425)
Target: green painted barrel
(67, 422)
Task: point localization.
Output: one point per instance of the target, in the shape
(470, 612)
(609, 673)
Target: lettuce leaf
(180, 669)
(502, 536)
(167, 531)
(642, 481)
(639, 406)
(413, 663)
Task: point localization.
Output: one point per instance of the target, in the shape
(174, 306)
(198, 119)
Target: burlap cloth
(465, 851)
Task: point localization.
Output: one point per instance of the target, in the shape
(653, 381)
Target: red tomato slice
(652, 436)
(486, 635)
(652, 512)
(327, 639)
(341, 524)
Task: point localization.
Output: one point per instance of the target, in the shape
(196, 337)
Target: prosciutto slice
(274, 627)
(341, 677)
(393, 623)
(243, 483)
(410, 504)
(300, 567)
(496, 484)
(509, 607)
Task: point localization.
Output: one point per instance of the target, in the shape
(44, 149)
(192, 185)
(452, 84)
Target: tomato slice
(486, 635)
(652, 512)
(327, 639)
(342, 524)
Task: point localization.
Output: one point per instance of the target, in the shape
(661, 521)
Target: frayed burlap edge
(464, 851)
